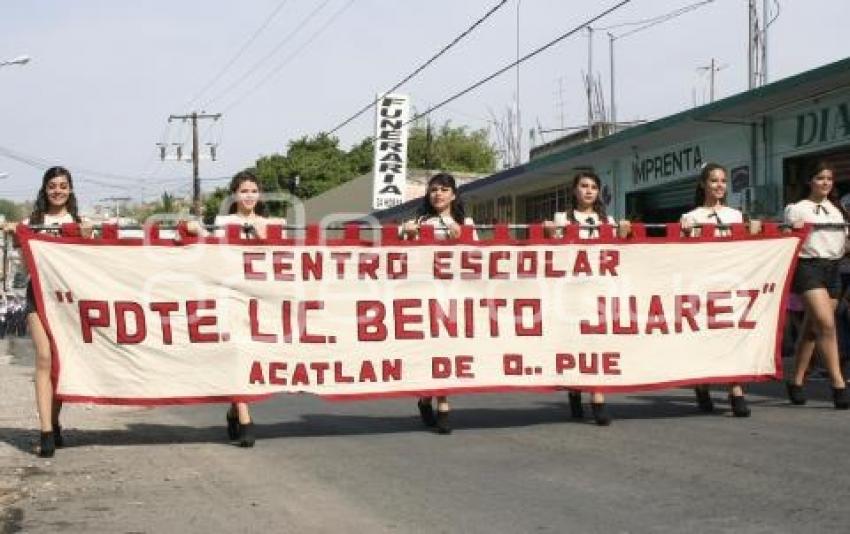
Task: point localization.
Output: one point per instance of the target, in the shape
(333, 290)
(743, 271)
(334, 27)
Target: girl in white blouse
(247, 211)
(710, 199)
(586, 209)
(443, 209)
(817, 281)
(55, 205)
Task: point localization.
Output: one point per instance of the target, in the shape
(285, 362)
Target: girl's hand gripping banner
(156, 321)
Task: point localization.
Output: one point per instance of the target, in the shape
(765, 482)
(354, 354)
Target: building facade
(765, 137)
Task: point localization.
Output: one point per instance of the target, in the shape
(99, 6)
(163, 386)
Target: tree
(319, 164)
(11, 210)
(450, 149)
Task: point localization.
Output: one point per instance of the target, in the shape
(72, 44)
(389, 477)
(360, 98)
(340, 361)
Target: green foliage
(11, 210)
(320, 164)
(451, 149)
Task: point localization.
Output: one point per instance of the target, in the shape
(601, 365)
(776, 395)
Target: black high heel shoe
(47, 445)
(232, 426)
(246, 434)
(426, 412)
(796, 394)
(442, 423)
(576, 410)
(704, 401)
(839, 398)
(739, 406)
(57, 436)
(600, 413)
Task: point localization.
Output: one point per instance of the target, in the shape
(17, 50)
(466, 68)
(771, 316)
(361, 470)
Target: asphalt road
(515, 463)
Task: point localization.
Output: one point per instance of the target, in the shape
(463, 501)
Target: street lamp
(20, 60)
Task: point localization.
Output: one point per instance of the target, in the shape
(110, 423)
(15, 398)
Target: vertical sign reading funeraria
(390, 151)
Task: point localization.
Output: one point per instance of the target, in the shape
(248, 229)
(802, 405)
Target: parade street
(515, 463)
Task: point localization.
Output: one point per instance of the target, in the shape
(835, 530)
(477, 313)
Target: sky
(105, 75)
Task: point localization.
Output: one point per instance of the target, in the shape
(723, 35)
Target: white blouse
(828, 243)
(234, 218)
(589, 222)
(722, 215)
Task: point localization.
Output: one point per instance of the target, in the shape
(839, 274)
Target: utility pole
(518, 119)
(712, 68)
(196, 181)
(613, 108)
(116, 200)
(589, 84)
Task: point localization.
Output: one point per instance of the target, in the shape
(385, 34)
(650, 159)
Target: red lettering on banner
(370, 321)
(470, 264)
(752, 294)
(303, 308)
(550, 270)
(340, 258)
(602, 327)
(468, 318)
(713, 309)
(463, 367)
(402, 318)
(165, 309)
(254, 321)
(437, 316)
(656, 320)
(617, 327)
(367, 372)
(512, 364)
(442, 269)
(588, 363)
(282, 266)
(687, 306)
(495, 257)
(563, 362)
(391, 370)
(608, 262)
(611, 363)
(256, 376)
(526, 264)
(311, 267)
(196, 322)
(299, 375)
(88, 320)
(396, 265)
(536, 328)
(320, 368)
(275, 369)
(339, 377)
(582, 264)
(368, 265)
(493, 306)
(286, 319)
(441, 367)
(248, 259)
(123, 336)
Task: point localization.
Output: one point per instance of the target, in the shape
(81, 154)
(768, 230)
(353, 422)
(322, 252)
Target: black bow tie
(819, 208)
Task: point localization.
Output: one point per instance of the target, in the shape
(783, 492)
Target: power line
(424, 65)
(268, 56)
(239, 53)
(665, 18)
(519, 61)
(290, 57)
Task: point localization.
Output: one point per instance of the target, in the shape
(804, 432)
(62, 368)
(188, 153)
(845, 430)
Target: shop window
(484, 212)
(505, 209)
(542, 206)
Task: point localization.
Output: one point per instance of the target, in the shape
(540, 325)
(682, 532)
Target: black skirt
(815, 273)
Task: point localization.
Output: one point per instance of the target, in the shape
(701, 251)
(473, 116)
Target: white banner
(390, 166)
(205, 320)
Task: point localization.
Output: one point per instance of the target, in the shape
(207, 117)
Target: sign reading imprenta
(390, 151)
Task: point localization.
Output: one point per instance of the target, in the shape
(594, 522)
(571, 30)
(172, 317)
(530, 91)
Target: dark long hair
(42, 204)
(812, 170)
(427, 210)
(598, 205)
(236, 183)
(704, 175)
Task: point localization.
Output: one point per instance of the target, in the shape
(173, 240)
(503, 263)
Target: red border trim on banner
(389, 237)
